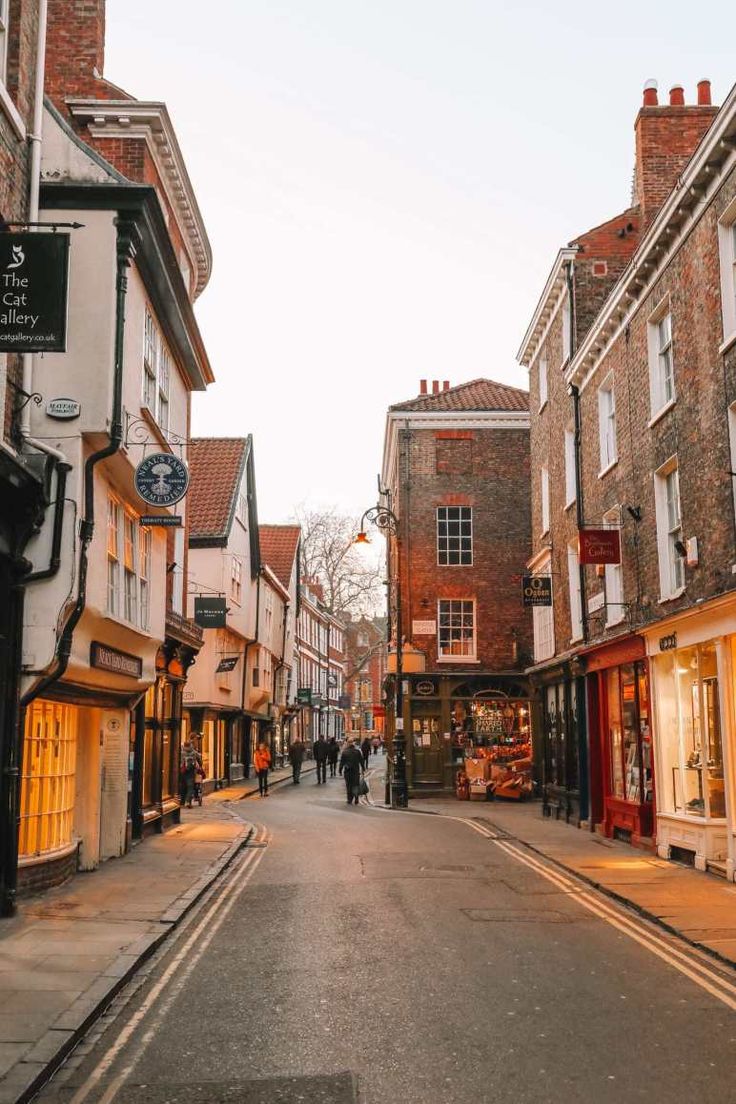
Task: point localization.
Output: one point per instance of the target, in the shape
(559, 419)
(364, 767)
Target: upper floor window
(607, 424)
(241, 510)
(669, 529)
(614, 580)
(362, 639)
(156, 372)
(236, 578)
(543, 389)
(661, 362)
(268, 609)
(570, 483)
(727, 250)
(4, 5)
(128, 566)
(454, 535)
(543, 622)
(545, 499)
(576, 602)
(456, 639)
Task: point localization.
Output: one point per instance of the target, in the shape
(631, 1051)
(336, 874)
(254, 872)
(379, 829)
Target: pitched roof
(479, 394)
(215, 471)
(279, 544)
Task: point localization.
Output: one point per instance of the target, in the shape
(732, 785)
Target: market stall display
(496, 739)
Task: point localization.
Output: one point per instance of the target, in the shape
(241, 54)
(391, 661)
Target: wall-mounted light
(634, 512)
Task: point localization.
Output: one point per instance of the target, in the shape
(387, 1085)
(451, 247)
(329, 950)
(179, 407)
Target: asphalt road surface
(355, 954)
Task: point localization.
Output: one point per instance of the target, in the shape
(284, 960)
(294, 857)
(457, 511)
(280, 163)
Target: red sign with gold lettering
(599, 546)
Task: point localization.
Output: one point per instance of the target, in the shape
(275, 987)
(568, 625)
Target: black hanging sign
(304, 695)
(227, 663)
(536, 590)
(34, 271)
(161, 479)
(210, 613)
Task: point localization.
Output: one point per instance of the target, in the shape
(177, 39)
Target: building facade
(365, 659)
(280, 552)
(454, 464)
(321, 667)
(633, 435)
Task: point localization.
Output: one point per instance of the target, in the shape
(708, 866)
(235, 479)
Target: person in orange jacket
(262, 763)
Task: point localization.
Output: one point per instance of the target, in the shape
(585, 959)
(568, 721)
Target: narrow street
(359, 954)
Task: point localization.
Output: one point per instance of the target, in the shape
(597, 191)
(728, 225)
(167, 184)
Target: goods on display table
(497, 760)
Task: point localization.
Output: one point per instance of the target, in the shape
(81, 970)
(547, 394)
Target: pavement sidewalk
(699, 907)
(69, 950)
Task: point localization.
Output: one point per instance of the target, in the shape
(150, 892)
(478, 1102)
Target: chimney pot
(677, 96)
(422, 387)
(446, 385)
(650, 94)
(435, 387)
(704, 92)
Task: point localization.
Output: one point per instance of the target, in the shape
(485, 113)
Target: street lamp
(386, 520)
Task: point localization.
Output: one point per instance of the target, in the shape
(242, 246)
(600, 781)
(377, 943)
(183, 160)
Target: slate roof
(215, 471)
(479, 394)
(279, 544)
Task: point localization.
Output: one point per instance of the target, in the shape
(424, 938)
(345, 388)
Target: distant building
(321, 667)
(365, 661)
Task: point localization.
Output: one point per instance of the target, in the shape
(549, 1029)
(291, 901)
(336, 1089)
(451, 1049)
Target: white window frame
(669, 529)
(236, 579)
(727, 255)
(543, 377)
(732, 448)
(177, 589)
(613, 578)
(4, 14)
(113, 556)
(463, 613)
(443, 542)
(544, 497)
(608, 444)
(128, 566)
(576, 598)
(158, 366)
(544, 620)
(660, 352)
(570, 481)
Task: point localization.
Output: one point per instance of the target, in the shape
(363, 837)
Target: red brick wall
(666, 138)
(75, 46)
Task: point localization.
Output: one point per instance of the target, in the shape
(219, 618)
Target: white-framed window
(236, 579)
(241, 510)
(4, 6)
(128, 566)
(570, 488)
(543, 382)
(544, 496)
(573, 582)
(363, 639)
(543, 621)
(566, 334)
(454, 536)
(456, 635)
(156, 372)
(661, 359)
(732, 444)
(669, 529)
(613, 577)
(727, 252)
(268, 611)
(607, 423)
(177, 593)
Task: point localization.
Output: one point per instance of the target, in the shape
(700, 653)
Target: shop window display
(49, 770)
(496, 738)
(630, 749)
(689, 717)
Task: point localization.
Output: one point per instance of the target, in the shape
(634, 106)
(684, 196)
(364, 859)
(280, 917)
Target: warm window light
(362, 538)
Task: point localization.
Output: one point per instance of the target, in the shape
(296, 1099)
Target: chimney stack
(435, 387)
(704, 93)
(677, 96)
(650, 94)
(422, 387)
(75, 50)
(446, 385)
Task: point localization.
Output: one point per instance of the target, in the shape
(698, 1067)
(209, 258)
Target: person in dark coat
(365, 749)
(296, 758)
(351, 766)
(332, 754)
(320, 752)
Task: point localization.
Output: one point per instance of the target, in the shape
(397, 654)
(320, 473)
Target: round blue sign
(161, 479)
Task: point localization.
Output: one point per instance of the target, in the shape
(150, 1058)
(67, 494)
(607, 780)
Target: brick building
(365, 658)
(320, 651)
(633, 399)
(455, 462)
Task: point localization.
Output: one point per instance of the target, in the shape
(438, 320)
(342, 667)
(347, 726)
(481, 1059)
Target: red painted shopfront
(620, 729)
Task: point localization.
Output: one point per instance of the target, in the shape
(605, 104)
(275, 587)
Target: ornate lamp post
(386, 520)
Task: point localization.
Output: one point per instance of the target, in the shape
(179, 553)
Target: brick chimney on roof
(435, 387)
(422, 387)
(667, 136)
(446, 385)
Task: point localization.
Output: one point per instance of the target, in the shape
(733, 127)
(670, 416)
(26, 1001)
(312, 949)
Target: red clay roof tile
(215, 468)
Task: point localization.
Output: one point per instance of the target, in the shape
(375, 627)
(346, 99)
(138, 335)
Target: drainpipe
(62, 471)
(244, 679)
(574, 393)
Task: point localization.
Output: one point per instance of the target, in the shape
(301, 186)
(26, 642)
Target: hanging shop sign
(424, 628)
(210, 613)
(599, 546)
(344, 702)
(110, 659)
(161, 479)
(304, 695)
(331, 679)
(536, 590)
(164, 521)
(425, 688)
(63, 409)
(227, 663)
(34, 270)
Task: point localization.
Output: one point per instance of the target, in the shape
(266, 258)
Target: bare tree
(351, 581)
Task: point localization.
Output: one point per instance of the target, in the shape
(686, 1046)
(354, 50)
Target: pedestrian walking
(351, 767)
(262, 763)
(190, 768)
(333, 751)
(320, 751)
(375, 743)
(296, 758)
(365, 749)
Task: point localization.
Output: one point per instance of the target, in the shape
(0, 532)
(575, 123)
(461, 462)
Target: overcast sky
(385, 184)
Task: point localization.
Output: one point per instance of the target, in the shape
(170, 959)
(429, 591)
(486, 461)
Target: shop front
(559, 725)
(210, 729)
(620, 741)
(692, 667)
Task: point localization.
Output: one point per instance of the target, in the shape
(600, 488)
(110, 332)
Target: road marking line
(247, 867)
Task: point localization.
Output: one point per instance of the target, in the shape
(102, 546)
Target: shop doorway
(427, 749)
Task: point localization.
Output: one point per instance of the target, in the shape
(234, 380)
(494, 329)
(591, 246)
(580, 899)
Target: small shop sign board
(344, 702)
(425, 688)
(63, 409)
(227, 663)
(161, 479)
(536, 590)
(34, 274)
(304, 695)
(164, 521)
(424, 628)
(110, 659)
(210, 613)
(599, 546)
